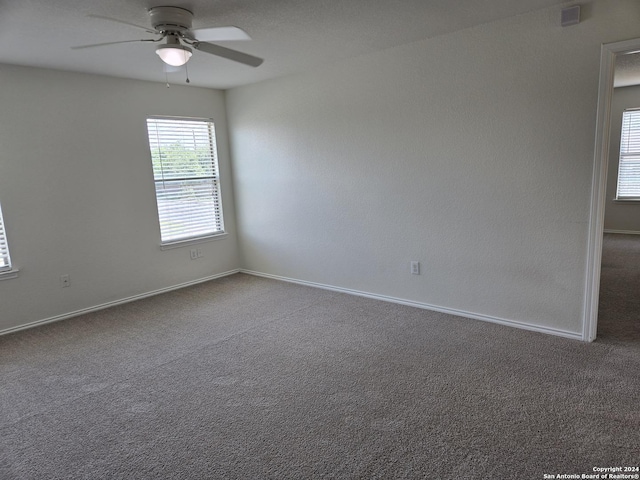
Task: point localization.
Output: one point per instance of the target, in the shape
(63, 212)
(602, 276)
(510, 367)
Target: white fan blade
(80, 47)
(228, 53)
(220, 34)
(146, 29)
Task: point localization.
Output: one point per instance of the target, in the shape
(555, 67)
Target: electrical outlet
(415, 268)
(199, 253)
(65, 281)
(194, 254)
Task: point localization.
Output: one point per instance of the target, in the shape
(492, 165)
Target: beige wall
(620, 216)
(470, 152)
(77, 191)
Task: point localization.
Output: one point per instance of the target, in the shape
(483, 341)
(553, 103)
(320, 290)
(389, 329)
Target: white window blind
(5, 259)
(185, 170)
(629, 166)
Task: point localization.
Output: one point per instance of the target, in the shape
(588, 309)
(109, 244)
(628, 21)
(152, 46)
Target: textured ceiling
(627, 70)
(291, 35)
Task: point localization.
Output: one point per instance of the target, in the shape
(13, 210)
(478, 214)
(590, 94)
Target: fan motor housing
(171, 19)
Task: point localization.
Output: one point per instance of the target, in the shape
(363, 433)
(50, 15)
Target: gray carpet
(619, 308)
(250, 378)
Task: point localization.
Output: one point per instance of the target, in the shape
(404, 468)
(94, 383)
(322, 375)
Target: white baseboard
(102, 306)
(426, 306)
(624, 232)
(386, 298)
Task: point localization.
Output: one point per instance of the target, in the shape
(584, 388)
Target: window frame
(625, 138)
(217, 223)
(8, 270)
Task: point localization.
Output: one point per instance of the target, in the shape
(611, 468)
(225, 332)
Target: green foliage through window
(185, 170)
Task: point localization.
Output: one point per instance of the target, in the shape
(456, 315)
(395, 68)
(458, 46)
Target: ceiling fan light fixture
(173, 54)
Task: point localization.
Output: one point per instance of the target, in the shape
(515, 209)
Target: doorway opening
(603, 285)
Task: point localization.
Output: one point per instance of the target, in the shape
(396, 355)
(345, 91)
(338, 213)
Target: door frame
(608, 54)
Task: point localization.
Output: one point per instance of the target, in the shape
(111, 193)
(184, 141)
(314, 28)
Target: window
(629, 166)
(5, 260)
(185, 170)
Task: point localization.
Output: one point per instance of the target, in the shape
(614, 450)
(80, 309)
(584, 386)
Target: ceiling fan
(173, 24)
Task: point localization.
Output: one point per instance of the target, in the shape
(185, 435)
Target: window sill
(193, 241)
(9, 274)
(627, 200)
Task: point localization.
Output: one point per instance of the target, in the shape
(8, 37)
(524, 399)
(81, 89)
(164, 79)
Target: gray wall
(620, 216)
(470, 152)
(77, 191)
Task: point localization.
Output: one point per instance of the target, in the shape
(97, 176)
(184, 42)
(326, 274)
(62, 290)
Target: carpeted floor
(619, 308)
(248, 378)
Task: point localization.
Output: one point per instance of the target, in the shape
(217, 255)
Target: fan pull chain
(186, 66)
(166, 77)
